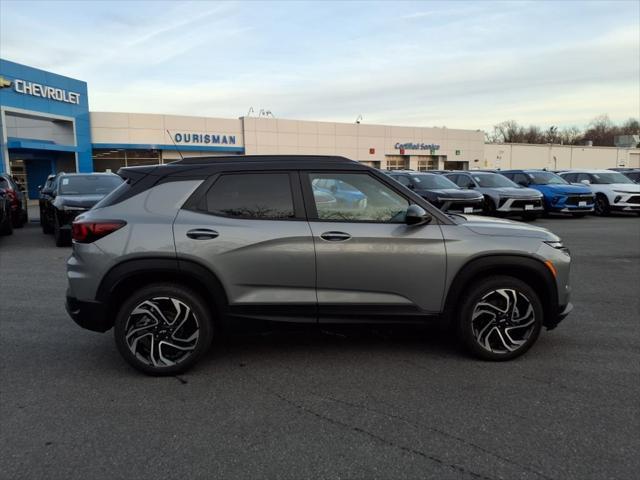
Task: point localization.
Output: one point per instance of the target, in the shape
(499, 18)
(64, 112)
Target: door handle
(202, 234)
(335, 236)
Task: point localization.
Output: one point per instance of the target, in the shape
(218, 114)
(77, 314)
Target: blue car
(558, 194)
(345, 194)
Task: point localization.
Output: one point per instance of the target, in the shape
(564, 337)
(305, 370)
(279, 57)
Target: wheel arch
(130, 275)
(528, 269)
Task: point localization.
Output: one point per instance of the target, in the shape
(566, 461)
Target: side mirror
(585, 182)
(333, 188)
(39, 187)
(471, 186)
(411, 186)
(416, 215)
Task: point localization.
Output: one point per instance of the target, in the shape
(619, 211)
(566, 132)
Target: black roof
(195, 166)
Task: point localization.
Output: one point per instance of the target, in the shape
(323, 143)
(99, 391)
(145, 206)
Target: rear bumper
(89, 315)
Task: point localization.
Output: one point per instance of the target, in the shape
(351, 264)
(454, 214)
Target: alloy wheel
(503, 320)
(162, 331)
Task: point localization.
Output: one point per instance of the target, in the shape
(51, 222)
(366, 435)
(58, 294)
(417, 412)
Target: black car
(6, 227)
(73, 194)
(17, 198)
(46, 192)
(440, 191)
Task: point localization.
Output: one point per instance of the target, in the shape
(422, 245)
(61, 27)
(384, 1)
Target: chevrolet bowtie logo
(4, 83)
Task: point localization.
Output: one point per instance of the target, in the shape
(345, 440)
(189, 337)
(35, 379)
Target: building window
(396, 163)
(424, 165)
(111, 160)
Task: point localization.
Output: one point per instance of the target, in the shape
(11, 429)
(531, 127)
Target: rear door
(371, 265)
(250, 229)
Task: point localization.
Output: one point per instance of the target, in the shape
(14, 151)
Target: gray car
(501, 195)
(179, 252)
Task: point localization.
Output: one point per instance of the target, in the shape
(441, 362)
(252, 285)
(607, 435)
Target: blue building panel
(34, 90)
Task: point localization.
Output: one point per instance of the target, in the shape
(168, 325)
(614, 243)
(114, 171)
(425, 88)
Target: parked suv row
(179, 251)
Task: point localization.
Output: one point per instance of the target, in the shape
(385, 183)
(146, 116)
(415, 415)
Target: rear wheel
(601, 206)
(163, 329)
(500, 318)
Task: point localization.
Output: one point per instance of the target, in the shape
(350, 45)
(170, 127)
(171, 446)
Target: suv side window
(453, 178)
(584, 176)
(464, 181)
(520, 179)
(252, 195)
(361, 198)
(403, 179)
(569, 177)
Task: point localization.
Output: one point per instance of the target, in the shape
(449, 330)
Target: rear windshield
(88, 184)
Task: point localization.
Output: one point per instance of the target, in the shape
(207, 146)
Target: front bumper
(89, 315)
(563, 311)
(520, 205)
(460, 205)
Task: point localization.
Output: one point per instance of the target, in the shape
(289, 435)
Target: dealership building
(46, 127)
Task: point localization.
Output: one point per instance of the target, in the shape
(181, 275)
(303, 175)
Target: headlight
(558, 245)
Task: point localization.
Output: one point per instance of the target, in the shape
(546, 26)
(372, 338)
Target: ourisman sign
(45, 91)
(205, 138)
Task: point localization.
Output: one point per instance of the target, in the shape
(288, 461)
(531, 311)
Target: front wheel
(163, 329)
(489, 206)
(601, 206)
(500, 318)
(62, 237)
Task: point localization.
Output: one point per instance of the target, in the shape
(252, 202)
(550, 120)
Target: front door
(370, 265)
(253, 235)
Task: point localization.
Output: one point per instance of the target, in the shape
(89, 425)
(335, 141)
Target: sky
(455, 64)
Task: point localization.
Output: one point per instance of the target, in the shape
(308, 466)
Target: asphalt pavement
(373, 403)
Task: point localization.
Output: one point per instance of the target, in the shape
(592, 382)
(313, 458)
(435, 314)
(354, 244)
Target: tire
(7, 228)
(144, 325)
(18, 221)
(601, 207)
(46, 228)
(61, 237)
(489, 206)
(488, 338)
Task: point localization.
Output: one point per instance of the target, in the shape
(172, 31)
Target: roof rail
(261, 158)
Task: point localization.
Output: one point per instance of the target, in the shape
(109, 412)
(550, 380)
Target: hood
(626, 187)
(563, 189)
(515, 192)
(81, 201)
(503, 227)
(452, 193)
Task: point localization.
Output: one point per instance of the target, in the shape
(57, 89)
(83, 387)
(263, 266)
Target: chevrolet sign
(43, 91)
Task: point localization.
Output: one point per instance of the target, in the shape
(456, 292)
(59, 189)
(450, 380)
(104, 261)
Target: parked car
(613, 190)
(179, 251)
(6, 227)
(440, 191)
(71, 195)
(46, 195)
(18, 199)
(501, 195)
(346, 195)
(632, 173)
(558, 194)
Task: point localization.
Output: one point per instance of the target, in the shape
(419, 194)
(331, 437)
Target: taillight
(88, 232)
(13, 198)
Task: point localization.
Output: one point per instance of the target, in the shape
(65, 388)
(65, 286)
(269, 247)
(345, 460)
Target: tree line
(601, 131)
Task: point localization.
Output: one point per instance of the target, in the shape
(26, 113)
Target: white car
(613, 190)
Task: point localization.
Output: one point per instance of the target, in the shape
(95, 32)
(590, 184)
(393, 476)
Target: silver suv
(501, 195)
(179, 251)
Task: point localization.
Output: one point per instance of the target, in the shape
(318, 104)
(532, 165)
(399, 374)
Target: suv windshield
(546, 178)
(492, 180)
(88, 184)
(430, 180)
(610, 177)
